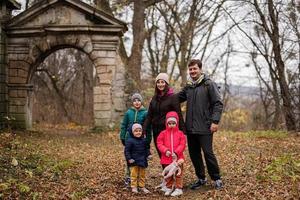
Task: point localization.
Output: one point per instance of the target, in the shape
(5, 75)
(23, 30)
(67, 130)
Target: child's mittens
(131, 161)
(149, 157)
(123, 142)
(174, 156)
(180, 161)
(168, 153)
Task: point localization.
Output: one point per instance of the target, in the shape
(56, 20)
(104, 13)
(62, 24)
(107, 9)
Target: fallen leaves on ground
(69, 162)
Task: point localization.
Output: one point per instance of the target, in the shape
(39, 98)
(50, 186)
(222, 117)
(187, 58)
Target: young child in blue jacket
(136, 114)
(137, 153)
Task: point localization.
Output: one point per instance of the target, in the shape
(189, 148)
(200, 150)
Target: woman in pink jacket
(171, 143)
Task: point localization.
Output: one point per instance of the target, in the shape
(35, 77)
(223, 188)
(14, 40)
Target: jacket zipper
(135, 115)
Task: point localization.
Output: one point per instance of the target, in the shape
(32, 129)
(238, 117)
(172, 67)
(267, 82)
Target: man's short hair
(194, 62)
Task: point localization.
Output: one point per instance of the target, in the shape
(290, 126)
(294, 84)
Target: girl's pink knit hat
(172, 119)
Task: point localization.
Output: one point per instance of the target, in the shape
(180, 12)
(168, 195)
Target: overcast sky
(239, 73)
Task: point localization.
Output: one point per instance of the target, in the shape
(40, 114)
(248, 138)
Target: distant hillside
(244, 91)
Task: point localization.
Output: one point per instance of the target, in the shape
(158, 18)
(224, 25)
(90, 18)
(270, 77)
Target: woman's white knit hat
(162, 76)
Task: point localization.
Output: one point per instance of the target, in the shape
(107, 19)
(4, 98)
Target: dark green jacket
(134, 116)
(204, 105)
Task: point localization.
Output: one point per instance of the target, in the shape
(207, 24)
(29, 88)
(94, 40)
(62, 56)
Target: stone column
(109, 90)
(20, 107)
(118, 91)
(103, 99)
(19, 91)
(3, 80)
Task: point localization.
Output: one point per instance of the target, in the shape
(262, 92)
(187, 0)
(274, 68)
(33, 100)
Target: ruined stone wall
(25, 54)
(3, 83)
(40, 31)
(119, 97)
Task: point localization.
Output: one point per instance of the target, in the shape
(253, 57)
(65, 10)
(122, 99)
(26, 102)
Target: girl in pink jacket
(171, 143)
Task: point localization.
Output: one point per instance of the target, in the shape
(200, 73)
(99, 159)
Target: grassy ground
(71, 163)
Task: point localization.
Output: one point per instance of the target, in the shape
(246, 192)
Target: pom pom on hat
(136, 96)
(135, 126)
(162, 76)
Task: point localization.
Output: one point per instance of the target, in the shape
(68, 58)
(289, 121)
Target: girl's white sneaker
(145, 190)
(134, 190)
(177, 192)
(163, 188)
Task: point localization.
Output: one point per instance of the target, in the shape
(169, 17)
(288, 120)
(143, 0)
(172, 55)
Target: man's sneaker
(218, 184)
(177, 192)
(168, 192)
(145, 190)
(198, 184)
(134, 190)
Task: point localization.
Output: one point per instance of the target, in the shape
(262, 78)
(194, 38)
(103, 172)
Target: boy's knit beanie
(162, 76)
(135, 126)
(136, 96)
(173, 119)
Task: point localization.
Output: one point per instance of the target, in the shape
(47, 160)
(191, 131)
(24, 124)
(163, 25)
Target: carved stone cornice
(59, 29)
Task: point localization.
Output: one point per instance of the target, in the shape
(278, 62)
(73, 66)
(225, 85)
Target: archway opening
(63, 88)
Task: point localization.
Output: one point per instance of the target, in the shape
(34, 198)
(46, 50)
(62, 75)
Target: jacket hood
(203, 78)
(175, 115)
(170, 92)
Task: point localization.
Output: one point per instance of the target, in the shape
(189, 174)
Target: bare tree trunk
(286, 96)
(27, 4)
(61, 98)
(272, 31)
(285, 93)
(134, 61)
(226, 89)
(183, 75)
(265, 104)
(103, 5)
(183, 60)
(275, 94)
(138, 29)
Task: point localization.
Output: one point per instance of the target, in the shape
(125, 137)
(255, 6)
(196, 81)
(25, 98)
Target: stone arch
(39, 50)
(85, 71)
(32, 36)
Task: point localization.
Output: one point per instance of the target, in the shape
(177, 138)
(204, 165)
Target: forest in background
(245, 46)
(249, 47)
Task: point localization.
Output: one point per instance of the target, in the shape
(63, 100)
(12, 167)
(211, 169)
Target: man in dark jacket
(204, 109)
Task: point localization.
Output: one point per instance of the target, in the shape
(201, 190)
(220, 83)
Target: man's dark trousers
(196, 143)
